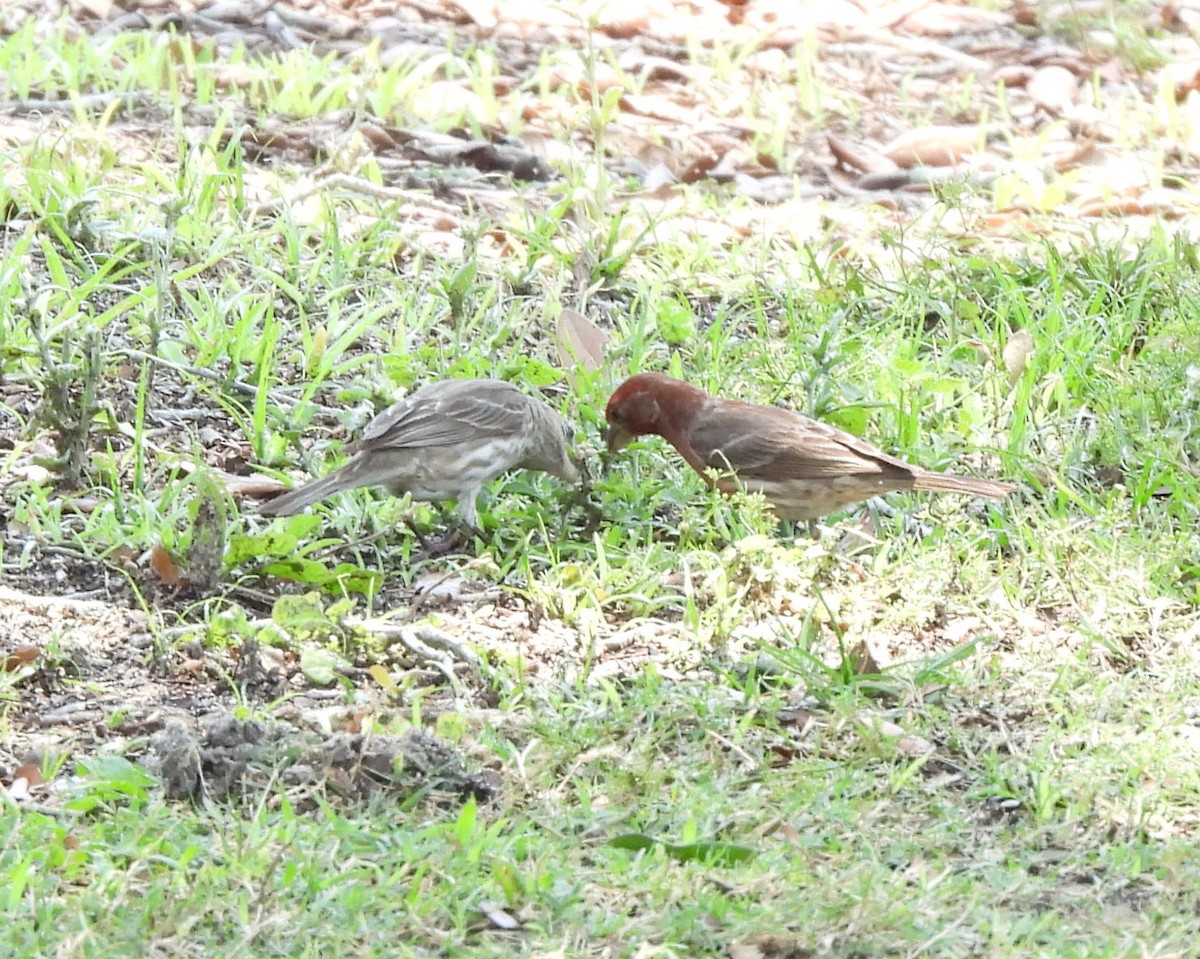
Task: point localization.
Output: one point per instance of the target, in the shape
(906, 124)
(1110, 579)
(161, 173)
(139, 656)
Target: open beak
(617, 437)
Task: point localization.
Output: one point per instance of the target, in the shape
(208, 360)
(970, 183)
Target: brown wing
(448, 413)
(770, 444)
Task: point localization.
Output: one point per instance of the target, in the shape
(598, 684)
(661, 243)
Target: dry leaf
(883, 16)
(863, 661)
(913, 746)
(584, 79)
(24, 779)
(946, 20)
(20, 657)
(482, 12)
(165, 568)
(124, 556)
(499, 917)
(1016, 354)
(30, 773)
(699, 168)
(1013, 75)
(658, 177)
(1053, 89)
(659, 108)
(384, 678)
(1168, 204)
(1183, 77)
(933, 146)
(254, 485)
(624, 19)
(579, 341)
(100, 9)
(855, 156)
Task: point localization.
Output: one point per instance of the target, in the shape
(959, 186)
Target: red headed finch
(445, 441)
(802, 467)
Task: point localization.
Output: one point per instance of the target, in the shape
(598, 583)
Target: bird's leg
(912, 527)
(791, 528)
(584, 497)
(466, 525)
(460, 533)
(416, 531)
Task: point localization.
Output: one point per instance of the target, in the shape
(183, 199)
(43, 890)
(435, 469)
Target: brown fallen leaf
(30, 772)
(1016, 354)
(1168, 204)
(862, 660)
(1183, 77)
(20, 657)
(659, 108)
(1013, 75)
(579, 341)
(947, 20)
(100, 9)
(25, 778)
(624, 19)
(855, 156)
(881, 17)
(481, 12)
(933, 145)
(255, 484)
(124, 556)
(165, 568)
(699, 168)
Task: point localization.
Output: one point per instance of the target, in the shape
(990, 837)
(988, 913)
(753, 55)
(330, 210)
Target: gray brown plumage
(802, 467)
(446, 441)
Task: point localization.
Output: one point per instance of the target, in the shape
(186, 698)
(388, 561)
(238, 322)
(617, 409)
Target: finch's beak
(617, 437)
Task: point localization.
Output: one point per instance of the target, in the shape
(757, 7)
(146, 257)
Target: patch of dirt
(222, 756)
(87, 677)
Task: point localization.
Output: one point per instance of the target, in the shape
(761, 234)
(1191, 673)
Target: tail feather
(291, 503)
(970, 485)
(365, 469)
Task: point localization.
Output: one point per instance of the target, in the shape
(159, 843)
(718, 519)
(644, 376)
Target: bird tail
(291, 503)
(970, 485)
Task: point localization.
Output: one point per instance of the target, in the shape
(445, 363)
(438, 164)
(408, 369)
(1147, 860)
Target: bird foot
(454, 540)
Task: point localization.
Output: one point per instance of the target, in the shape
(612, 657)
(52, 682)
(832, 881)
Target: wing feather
(448, 413)
(771, 444)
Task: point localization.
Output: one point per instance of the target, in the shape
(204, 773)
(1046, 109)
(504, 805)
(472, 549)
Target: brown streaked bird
(446, 441)
(802, 467)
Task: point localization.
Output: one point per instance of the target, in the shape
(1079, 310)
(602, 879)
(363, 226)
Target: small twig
(246, 389)
(84, 101)
(423, 641)
(345, 181)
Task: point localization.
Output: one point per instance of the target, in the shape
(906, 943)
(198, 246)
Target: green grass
(1018, 779)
